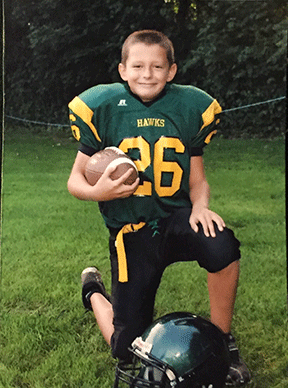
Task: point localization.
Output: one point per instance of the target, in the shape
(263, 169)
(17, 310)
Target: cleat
(238, 375)
(92, 282)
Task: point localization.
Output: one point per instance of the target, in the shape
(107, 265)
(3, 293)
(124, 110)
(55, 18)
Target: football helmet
(178, 350)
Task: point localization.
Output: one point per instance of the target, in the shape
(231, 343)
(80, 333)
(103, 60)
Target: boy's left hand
(206, 217)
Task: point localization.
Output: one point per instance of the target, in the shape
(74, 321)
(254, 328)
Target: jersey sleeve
(196, 151)
(82, 121)
(208, 121)
(86, 149)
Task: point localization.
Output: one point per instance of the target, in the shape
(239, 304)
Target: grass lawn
(48, 237)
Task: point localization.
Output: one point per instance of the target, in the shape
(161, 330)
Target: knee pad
(220, 251)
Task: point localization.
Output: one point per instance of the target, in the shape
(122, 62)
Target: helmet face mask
(178, 350)
(141, 374)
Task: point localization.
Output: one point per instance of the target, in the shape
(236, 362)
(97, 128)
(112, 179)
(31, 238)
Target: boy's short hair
(148, 37)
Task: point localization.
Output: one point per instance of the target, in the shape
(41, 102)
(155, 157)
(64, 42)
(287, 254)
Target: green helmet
(178, 350)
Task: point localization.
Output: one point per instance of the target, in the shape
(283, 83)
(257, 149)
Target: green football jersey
(160, 137)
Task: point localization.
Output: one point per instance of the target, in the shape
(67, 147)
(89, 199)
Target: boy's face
(147, 70)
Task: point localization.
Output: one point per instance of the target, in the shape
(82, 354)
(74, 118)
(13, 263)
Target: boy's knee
(121, 340)
(120, 351)
(221, 251)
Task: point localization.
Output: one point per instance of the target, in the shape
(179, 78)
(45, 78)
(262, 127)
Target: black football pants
(148, 253)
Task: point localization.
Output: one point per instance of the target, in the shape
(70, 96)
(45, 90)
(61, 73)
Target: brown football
(110, 156)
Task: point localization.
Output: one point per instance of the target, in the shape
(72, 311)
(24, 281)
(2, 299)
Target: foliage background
(235, 50)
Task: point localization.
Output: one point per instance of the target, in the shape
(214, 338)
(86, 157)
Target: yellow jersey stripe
(85, 113)
(209, 114)
(209, 137)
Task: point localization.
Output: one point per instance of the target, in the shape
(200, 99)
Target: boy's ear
(122, 71)
(172, 72)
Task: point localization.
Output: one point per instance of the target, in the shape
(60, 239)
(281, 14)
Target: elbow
(75, 188)
(70, 187)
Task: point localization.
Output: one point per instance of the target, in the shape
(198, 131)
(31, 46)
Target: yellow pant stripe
(122, 261)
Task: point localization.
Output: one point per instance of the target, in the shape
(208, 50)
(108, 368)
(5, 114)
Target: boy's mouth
(147, 84)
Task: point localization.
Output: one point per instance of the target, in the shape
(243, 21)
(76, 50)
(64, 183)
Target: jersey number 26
(159, 164)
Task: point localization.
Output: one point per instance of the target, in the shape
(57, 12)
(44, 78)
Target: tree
(70, 48)
(235, 50)
(241, 55)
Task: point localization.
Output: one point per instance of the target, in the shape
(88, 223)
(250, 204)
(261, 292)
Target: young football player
(164, 217)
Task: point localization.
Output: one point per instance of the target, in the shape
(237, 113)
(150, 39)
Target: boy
(164, 216)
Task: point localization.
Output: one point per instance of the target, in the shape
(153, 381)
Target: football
(110, 156)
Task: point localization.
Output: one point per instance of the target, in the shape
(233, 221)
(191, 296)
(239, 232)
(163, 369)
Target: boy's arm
(105, 189)
(199, 195)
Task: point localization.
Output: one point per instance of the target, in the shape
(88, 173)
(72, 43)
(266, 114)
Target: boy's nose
(147, 72)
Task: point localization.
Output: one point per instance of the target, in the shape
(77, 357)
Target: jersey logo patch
(122, 103)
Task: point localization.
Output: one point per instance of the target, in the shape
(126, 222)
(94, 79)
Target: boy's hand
(107, 189)
(205, 217)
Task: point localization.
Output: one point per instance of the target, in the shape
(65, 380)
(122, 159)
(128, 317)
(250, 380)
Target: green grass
(48, 237)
